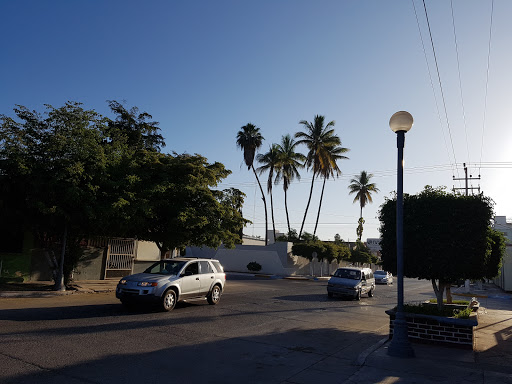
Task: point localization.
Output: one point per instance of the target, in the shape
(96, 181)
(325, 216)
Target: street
(262, 331)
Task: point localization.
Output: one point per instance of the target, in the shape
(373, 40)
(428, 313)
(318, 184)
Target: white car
(383, 277)
(168, 281)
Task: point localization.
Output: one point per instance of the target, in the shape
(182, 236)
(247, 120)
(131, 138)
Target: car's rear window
(217, 266)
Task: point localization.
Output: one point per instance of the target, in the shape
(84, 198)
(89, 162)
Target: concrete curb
(12, 294)
(361, 359)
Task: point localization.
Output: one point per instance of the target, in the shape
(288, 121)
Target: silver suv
(171, 280)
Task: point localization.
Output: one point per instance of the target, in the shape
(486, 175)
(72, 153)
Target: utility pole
(467, 188)
(466, 179)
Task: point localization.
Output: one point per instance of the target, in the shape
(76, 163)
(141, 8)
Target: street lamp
(400, 346)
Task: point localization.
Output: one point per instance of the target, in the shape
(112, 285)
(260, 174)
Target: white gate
(120, 257)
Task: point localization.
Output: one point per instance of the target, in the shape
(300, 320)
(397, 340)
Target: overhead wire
(432, 84)
(440, 85)
(460, 81)
(486, 82)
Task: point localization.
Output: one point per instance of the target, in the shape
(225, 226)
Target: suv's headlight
(147, 284)
(122, 281)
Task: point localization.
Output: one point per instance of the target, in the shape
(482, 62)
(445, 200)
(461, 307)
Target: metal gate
(120, 257)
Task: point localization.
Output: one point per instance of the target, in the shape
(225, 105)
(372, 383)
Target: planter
(439, 330)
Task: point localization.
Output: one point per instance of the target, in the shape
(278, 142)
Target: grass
(458, 302)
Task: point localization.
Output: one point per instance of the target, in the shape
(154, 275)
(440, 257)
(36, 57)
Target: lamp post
(400, 346)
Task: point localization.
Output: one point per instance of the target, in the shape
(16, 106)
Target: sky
(203, 69)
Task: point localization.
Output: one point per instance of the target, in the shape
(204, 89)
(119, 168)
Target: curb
(12, 294)
(361, 359)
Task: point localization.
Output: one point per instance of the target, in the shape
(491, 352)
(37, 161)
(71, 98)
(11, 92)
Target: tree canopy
(70, 173)
(447, 237)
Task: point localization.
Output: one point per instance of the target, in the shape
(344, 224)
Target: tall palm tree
(269, 162)
(288, 168)
(249, 139)
(361, 186)
(330, 168)
(318, 139)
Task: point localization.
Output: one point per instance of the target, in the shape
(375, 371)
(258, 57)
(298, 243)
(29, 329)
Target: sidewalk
(489, 363)
(86, 286)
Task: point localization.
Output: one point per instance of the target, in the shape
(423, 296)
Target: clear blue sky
(205, 68)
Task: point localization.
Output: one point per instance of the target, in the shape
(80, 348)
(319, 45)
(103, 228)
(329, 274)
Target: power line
(487, 81)
(440, 85)
(432, 84)
(460, 81)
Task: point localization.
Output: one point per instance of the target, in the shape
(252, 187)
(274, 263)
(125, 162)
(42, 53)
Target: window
(205, 267)
(192, 269)
(217, 266)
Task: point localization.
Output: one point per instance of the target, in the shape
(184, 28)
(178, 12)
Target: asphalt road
(262, 331)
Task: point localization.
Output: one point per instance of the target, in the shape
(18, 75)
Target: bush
(432, 310)
(254, 266)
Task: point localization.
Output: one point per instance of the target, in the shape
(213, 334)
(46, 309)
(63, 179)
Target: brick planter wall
(438, 330)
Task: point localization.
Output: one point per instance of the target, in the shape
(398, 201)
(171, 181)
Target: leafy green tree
(361, 254)
(60, 165)
(320, 141)
(363, 190)
(249, 139)
(269, 162)
(176, 205)
(70, 173)
(288, 168)
(306, 249)
(446, 238)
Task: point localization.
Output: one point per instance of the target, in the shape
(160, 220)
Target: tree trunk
(59, 281)
(319, 206)
(264, 204)
(449, 299)
(286, 209)
(163, 250)
(272, 213)
(439, 291)
(307, 206)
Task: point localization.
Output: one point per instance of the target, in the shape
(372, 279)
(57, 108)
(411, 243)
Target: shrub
(432, 310)
(254, 266)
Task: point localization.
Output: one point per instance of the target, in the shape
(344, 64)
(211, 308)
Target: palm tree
(361, 186)
(318, 139)
(249, 139)
(269, 162)
(330, 169)
(288, 168)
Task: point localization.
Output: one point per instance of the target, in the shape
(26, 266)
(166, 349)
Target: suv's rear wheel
(214, 296)
(370, 292)
(168, 300)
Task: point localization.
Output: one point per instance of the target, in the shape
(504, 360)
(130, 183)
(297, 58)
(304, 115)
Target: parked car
(383, 277)
(171, 280)
(351, 282)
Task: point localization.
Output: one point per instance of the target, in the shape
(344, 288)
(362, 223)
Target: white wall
(504, 280)
(147, 251)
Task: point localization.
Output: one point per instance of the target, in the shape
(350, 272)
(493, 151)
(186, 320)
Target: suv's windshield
(380, 273)
(166, 267)
(348, 274)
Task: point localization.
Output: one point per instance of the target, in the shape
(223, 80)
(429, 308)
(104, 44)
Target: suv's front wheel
(214, 296)
(168, 300)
